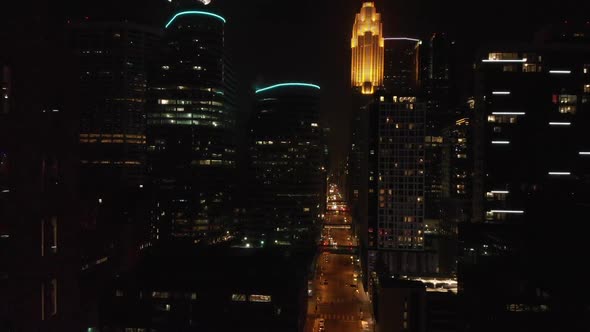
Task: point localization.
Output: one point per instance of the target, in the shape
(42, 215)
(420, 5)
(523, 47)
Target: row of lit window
(181, 87)
(198, 68)
(108, 162)
(251, 298)
(403, 239)
(214, 124)
(180, 116)
(396, 99)
(164, 295)
(211, 162)
(112, 136)
(527, 307)
(188, 102)
(112, 141)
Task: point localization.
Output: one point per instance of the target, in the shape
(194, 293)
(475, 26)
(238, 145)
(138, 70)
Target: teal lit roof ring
(195, 12)
(306, 85)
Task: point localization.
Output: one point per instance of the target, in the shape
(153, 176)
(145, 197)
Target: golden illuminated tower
(367, 49)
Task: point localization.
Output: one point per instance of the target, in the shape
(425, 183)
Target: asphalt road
(338, 298)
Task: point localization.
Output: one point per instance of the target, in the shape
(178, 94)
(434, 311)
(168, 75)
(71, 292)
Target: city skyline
(294, 166)
(333, 20)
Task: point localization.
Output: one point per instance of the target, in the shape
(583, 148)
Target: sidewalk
(367, 307)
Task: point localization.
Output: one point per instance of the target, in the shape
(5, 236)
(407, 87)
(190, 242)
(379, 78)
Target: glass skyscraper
(190, 125)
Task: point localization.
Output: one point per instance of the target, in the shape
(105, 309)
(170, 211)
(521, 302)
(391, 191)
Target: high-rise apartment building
(395, 184)
(400, 172)
(367, 50)
(190, 122)
(390, 214)
(287, 159)
(403, 76)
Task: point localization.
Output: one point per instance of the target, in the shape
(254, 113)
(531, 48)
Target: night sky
(309, 40)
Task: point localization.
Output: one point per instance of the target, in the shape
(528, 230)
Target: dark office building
(287, 157)
(457, 173)
(530, 188)
(239, 290)
(190, 125)
(354, 161)
(442, 77)
(438, 72)
(401, 71)
(39, 223)
(112, 61)
(399, 305)
(325, 166)
(433, 154)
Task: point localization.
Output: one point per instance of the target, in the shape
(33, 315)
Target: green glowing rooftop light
(194, 12)
(307, 85)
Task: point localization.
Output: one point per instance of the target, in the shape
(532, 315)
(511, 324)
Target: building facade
(391, 194)
(190, 121)
(367, 50)
(530, 180)
(113, 60)
(401, 72)
(39, 220)
(287, 160)
(112, 63)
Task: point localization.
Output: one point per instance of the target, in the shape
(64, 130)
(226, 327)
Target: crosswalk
(339, 317)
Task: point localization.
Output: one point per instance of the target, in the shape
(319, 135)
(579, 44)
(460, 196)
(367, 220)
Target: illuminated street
(338, 297)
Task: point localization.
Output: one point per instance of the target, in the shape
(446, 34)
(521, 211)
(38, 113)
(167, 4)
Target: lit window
(49, 236)
(503, 56)
(531, 68)
(160, 295)
(586, 88)
(568, 99)
(238, 297)
(259, 298)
